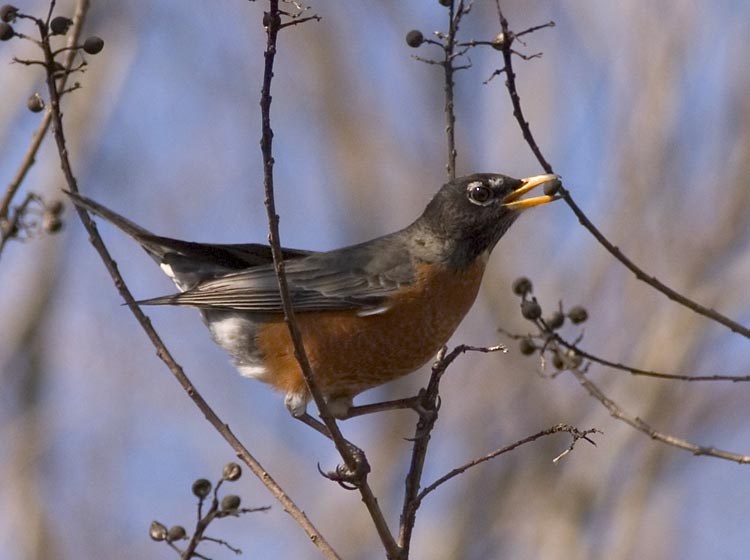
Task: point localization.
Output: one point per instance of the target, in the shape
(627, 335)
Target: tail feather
(187, 263)
(133, 230)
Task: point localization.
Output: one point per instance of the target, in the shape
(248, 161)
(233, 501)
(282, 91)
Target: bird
(368, 313)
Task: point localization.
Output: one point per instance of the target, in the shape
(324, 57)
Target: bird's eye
(480, 194)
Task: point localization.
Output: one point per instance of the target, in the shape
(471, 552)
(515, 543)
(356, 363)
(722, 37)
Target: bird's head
(470, 214)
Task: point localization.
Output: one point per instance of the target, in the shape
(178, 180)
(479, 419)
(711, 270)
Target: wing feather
(360, 277)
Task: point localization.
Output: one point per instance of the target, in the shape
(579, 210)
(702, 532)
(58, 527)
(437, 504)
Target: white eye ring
(480, 193)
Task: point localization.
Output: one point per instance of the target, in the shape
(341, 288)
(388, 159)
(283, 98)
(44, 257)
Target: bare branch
(645, 372)
(428, 407)
(575, 432)
(37, 137)
(582, 218)
(548, 335)
(162, 352)
(273, 24)
(617, 412)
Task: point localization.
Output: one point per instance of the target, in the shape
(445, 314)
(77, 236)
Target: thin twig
(515, 99)
(222, 543)
(11, 227)
(273, 25)
(549, 335)
(582, 218)
(429, 399)
(201, 526)
(161, 350)
(645, 372)
(647, 278)
(428, 408)
(37, 137)
(617, 412)
(575, 432)
(454, 17)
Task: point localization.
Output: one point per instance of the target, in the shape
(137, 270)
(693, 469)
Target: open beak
(514, 202)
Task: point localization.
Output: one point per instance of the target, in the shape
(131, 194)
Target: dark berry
(557, 361)
(201, 487)
(35, 103)
(55, 207)
(6, 31)
(8, 12)
(232, 471)
(93, 45)
(230, 502)
(551, 187)
(522, 286)
(60, 25)
(176, 533)
(157, 531)
(445, 3)
(51, 223)
(527, 346)
(556, 321)
(574, 360)
(414, 38)
(578, 315)
(531, 310)
(13, 231)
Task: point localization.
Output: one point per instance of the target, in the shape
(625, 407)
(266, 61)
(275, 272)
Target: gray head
(470, 214)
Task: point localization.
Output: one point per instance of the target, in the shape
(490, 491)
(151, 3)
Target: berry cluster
(58, 25)
(33, 217)
(546, 339)
(204, 490)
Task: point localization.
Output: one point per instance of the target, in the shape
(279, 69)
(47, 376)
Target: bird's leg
(413, 403)
(396, 404)
(314, 423)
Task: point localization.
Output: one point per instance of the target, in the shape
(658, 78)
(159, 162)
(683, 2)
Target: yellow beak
(513, 200)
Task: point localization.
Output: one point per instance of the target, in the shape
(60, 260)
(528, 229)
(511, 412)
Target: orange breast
(350, 354)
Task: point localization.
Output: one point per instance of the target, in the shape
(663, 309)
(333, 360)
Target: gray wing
(359, 277)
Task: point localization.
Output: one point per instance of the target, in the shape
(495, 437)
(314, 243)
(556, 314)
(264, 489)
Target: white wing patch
(167, 269)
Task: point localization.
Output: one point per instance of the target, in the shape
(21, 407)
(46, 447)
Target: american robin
(368, 313)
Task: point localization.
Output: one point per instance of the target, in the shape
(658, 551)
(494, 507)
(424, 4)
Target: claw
(427, 414)
(350, 479)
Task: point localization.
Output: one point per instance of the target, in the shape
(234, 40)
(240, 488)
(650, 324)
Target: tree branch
(429, 405)
(161, 351)
(573, 431)
(273, 24)
(39, 134)
(547, 334)
(618, 413)
(672, 294)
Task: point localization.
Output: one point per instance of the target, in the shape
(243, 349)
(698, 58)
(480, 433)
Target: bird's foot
(350, 476)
